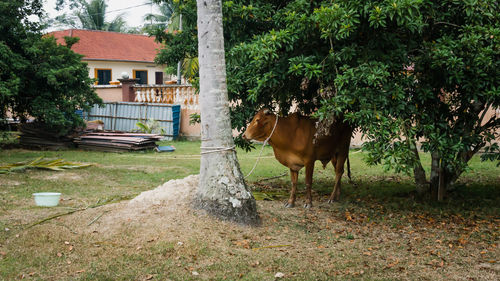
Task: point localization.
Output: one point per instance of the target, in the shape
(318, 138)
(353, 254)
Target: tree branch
(447, 23)
(486, 108)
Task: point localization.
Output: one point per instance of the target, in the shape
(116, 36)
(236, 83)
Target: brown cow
(292, 142)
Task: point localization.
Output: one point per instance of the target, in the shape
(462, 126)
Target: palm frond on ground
(41, 163)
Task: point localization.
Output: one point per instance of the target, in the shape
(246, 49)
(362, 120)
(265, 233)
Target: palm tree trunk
(222, 190)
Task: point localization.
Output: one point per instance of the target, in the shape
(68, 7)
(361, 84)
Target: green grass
(378, 230)
(127, 174)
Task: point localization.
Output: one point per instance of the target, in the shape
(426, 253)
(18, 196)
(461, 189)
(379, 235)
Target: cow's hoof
(308, 205)
(289, 205)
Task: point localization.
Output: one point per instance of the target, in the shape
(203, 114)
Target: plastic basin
(47, 199)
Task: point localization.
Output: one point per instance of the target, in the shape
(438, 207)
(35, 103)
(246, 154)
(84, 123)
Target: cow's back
(337, 143)
(294, 144)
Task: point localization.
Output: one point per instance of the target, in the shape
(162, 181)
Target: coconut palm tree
(91, 15)
(222, 190)
(164, 18)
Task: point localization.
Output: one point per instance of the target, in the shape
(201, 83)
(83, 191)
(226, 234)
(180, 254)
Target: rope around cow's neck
(221, 149)
(263, 145)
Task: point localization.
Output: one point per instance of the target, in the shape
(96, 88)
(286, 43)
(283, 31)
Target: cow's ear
(266, 111)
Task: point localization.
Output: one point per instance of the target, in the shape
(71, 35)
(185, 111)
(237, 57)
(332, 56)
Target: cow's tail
(349, 169)
(349, 172)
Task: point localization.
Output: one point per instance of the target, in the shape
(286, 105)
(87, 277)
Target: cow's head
(261, 126)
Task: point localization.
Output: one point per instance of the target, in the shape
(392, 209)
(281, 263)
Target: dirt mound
(172, 194)
(164, 207)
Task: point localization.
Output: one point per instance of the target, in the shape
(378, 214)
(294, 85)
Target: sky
(133, 15)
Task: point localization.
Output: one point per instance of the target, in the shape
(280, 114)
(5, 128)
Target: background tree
(90, 14)
(164, 19)
(222, 190)
(411, 74)
(38, 77)
(177, 48)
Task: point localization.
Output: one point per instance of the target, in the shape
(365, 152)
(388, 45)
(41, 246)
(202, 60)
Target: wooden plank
(123, 134)
(104, 144)
(117, 139)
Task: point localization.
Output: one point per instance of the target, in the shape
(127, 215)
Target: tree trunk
(434, 181)
(442, 183)
(421, 184)
(222, 191)
(441, 178)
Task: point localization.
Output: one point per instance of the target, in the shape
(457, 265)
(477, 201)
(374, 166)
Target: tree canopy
(38, 77)
(409, 73)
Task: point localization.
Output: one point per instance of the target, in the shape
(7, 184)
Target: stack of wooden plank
(117, 141)
(37, 135)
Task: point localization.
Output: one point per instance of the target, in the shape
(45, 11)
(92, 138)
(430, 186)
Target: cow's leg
(309, 179)
(294, 175)
(338, 164)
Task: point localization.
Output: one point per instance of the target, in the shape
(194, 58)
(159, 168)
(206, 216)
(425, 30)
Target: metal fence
(123, 116)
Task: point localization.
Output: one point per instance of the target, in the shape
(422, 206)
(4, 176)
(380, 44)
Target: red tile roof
(113, 46)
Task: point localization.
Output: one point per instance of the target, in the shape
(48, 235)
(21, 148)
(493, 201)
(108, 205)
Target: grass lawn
(379, 230)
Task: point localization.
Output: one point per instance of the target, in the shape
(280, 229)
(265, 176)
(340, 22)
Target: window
(158, 77)
(142, 75)
(103, 76)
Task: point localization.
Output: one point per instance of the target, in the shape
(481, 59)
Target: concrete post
(128, 93)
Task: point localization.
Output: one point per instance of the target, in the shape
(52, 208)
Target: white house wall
(117, 68)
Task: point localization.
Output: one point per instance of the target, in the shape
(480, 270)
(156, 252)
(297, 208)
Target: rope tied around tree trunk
(216, 149)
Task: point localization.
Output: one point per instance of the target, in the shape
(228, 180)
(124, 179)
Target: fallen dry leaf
(243, 243)
(59, 254)
(392, 264)
(348, 216)
(255, 264)
(279, 275)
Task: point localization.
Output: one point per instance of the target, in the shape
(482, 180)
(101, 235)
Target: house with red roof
(109, 54)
